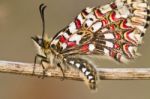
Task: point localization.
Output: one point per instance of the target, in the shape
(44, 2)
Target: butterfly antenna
(41, 9)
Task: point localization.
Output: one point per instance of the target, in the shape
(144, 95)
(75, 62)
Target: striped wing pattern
(115, 30)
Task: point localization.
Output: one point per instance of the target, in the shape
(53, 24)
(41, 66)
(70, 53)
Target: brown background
(19, 20)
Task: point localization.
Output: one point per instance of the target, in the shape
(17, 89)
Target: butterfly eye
(40, 41)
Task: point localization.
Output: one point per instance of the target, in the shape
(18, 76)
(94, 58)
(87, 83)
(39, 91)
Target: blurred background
(20, 19)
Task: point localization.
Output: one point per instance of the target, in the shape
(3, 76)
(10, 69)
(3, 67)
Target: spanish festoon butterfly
(114, 30)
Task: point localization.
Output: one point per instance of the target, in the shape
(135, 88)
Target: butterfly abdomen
(88, 71)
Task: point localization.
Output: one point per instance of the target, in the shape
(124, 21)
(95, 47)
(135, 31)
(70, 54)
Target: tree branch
(104, 73)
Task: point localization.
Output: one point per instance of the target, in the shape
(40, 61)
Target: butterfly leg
(44, 69)
(35, 58)
(63, 75)
(88, 71)
(43, 59)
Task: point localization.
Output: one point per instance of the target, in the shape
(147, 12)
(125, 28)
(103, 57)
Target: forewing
(78, 32)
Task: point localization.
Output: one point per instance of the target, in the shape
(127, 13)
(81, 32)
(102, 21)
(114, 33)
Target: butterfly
(113, 30)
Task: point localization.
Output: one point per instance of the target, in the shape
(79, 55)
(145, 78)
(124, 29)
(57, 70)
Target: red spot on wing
(113, 16)
(85, 48)
(104, 22)
(116, 46)
(118, 36)
(62, 39)
(71, 44)
(126, 47)
(124, 24)
(98, 13)
(112, 27)
(78, 23)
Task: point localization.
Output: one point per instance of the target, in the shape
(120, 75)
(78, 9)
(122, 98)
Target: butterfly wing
(115, 30)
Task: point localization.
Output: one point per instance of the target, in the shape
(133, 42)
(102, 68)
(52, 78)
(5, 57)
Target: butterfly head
(42, 43)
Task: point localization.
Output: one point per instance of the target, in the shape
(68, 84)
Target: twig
(104, 73)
